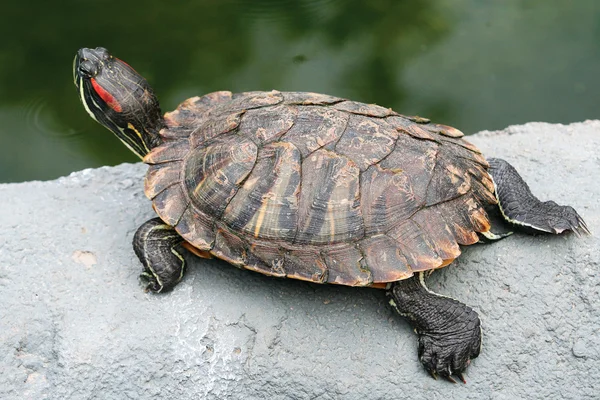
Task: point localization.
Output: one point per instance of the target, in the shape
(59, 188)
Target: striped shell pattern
(318, 188)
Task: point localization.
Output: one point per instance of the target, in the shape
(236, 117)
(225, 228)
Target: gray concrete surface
(75, 323)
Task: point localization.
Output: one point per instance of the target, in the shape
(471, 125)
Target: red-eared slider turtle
(317, 188)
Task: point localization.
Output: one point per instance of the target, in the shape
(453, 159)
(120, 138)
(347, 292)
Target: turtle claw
(448, 375)
(572, 220)
(580, 227)
(457, 374)
(442, 354)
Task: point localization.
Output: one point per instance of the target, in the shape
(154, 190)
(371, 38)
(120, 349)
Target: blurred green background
(472, 64)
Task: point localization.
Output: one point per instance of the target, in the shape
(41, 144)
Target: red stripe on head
(107, 97)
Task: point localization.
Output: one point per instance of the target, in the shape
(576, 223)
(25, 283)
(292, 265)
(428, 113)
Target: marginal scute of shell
(346, 266)
(230, 247)
(404, 125)
(369, 110)
(170, 204)
(161, 176)
(196, 228)
(171, 150)
(457, 213)
(214, 125)
(432, 224)
(416, 246)
(444, 130)
(306, 264)
(308, 98)
(385, 259)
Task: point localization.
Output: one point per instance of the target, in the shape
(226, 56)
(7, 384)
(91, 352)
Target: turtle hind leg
(158, 246)
(520, 207)
(449, 331)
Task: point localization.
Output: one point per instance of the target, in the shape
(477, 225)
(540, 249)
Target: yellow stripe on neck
(130, 126)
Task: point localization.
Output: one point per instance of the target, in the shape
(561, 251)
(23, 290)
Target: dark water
(472, 64)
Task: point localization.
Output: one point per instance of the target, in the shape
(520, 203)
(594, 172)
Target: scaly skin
(158, 246)
(520, 207)
(449, 331)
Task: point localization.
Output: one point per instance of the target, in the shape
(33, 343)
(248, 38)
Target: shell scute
(448, 181)
(366, 141)
(457, 213)
(407, 126)
(329, 205)
(315, 127)
(265, 258)
(249, 100)
(170, 150)
(170, 204)
(306, 263)
(416, 246)
(211, 99)
(346, 266)
(387, 199)
(196, 228)
(215, 125)
(266, 205)
(369, 110)
(264, 125)
(444, 130)
(230, 247)
(186, 117)
(432, 224)
(309, 98)
(385, 259)
(159, 177)
(417, 160)
(213, 174)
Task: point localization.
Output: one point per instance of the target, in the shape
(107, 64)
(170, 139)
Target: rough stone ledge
(75, 323)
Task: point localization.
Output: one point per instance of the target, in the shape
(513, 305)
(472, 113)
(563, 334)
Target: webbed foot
(449, 331)
(449, 353)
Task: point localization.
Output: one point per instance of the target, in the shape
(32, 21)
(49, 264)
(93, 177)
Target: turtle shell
(318, 188)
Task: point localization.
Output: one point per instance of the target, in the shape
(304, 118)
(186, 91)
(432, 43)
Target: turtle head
(119, 98)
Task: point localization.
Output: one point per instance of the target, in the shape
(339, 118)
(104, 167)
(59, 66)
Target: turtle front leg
(158, 246)
(520, 207)
(449, 331)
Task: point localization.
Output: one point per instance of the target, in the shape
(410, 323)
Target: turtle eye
(87, 69)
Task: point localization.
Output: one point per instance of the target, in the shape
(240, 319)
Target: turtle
(317, 188)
